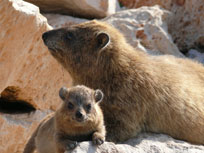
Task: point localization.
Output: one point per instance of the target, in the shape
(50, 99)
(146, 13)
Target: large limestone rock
(145, 143)
(144, 28)
(58, 20)
(139, 3)
(185, 25)
(30, 77)
(28, 69)
(16, 129)
(82, 8)
(195, 55)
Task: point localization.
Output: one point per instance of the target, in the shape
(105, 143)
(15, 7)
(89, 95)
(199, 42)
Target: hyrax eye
(69, 36)
(70, 106)
(88, 107)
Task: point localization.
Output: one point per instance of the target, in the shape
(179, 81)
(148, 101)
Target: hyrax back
(79, 118)
(161, 94)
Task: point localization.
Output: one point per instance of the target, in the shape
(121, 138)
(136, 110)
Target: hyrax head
(79, 47)
(80, 103)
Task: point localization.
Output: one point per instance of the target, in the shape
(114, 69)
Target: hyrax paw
(98, 139)
(71, 146)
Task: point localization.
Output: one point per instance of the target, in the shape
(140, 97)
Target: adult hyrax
(79, 118)
(162, 94)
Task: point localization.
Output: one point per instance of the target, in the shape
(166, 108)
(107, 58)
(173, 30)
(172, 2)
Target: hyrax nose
(44, 36)
(79, 115)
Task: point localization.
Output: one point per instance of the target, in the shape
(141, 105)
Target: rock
(17, 129)
(58, 20)
(139, 3)
(30, 77)
(145, 142)
(80, 8)
(146, 28)
(185, 25)
(29, 71)
(195, 55)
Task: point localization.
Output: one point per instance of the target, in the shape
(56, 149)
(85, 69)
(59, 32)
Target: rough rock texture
(27, 66)
(16, 129)
(195, 55)
(58, 20)
(186, 24)
(139, 3)
(30, 77)
(82, 8)
(145, 143)
(145, 28)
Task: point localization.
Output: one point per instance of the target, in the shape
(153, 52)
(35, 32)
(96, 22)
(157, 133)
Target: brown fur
(162, 94)
(62, 130)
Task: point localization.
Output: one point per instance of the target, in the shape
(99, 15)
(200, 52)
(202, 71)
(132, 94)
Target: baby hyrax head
(80, 103)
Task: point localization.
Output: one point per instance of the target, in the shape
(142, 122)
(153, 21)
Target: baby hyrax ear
(98, 96)
(103, 40)
(62, 93)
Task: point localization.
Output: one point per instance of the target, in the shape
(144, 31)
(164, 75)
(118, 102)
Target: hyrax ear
(98, 95)
(62, 92)
(103, 40)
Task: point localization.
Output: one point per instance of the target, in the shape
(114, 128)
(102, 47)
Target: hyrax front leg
(99, 136)
(119, 132)
(63, 144)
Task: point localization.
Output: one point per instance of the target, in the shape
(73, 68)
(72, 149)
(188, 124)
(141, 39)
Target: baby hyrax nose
(79, 115)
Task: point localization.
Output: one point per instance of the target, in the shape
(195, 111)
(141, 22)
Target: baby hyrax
(79, 118)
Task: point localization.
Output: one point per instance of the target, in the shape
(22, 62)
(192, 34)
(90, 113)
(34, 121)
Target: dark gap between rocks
(11, 103)
(15, 106)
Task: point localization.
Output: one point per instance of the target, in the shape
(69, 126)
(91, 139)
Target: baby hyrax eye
(70, 106)
(88, 107)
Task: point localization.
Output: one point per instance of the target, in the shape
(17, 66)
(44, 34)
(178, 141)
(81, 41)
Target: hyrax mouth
(80, 120)
(51, 49)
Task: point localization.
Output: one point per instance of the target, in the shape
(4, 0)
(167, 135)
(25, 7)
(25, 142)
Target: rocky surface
(81, 8)
(29, 69)
(16, 129)
(30, 77)
(139, 3)
(185, 25)
(145, 28)
(195, 55)
(58, 20)
(145, 143)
